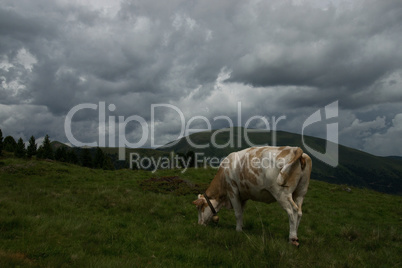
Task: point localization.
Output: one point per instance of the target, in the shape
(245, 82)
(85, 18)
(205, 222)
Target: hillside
(59, 215)
(355, 167)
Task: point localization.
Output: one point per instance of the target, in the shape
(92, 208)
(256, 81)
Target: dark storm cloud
(276, 57)
(326, 49)
(15, 27)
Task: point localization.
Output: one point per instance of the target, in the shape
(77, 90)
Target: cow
(266, 174)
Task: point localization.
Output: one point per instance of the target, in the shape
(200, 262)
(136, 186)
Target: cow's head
(205, 213)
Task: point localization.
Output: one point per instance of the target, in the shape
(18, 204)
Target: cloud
(26, 120)
(276, 57)
(356, 131)
(363, 129)
(327, 48)
(386, 143)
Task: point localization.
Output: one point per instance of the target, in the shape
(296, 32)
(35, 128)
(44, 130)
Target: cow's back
(263, 173)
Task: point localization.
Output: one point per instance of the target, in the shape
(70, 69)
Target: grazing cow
(265, 174)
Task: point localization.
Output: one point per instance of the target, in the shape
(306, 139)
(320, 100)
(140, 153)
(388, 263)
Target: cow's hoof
(295, 242)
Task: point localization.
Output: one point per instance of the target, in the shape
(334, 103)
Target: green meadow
(58, 215)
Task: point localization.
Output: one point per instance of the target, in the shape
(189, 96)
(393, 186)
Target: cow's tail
(286, 173)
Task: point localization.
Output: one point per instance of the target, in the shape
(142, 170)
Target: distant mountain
(56, 144)
(355, 167)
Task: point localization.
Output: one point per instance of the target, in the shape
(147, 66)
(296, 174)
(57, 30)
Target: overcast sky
(277, 58)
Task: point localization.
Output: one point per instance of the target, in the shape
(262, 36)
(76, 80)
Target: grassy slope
(54, 214)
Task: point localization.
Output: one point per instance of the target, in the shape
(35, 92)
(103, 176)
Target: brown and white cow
(265, 174)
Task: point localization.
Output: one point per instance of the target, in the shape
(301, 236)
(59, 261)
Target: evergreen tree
(190, 159)
(47, 148)
(39, 152)
(72, 157)
(99, 158)
(32, 147)
(107, 163)
(20, 151)
(1, 142)
(61, 154)
(9, 144)
(181, 160)
(86, 158)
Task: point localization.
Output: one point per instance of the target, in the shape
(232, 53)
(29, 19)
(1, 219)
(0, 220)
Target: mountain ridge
(355, 168)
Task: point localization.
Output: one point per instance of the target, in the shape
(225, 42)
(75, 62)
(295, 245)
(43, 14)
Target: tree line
(92, 158)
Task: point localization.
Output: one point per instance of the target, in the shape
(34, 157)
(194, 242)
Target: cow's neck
(217, 189)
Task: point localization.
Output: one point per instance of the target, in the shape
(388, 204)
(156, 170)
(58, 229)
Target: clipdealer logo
(331, 155)
(147, 130)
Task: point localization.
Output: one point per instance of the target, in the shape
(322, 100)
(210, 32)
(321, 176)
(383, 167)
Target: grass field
(56, 215)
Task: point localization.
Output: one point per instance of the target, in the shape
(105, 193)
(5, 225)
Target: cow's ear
(198, 202)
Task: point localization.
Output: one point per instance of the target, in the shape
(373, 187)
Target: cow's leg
(292, 209)
(298, 197)
(299, 202)
(238, 207)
